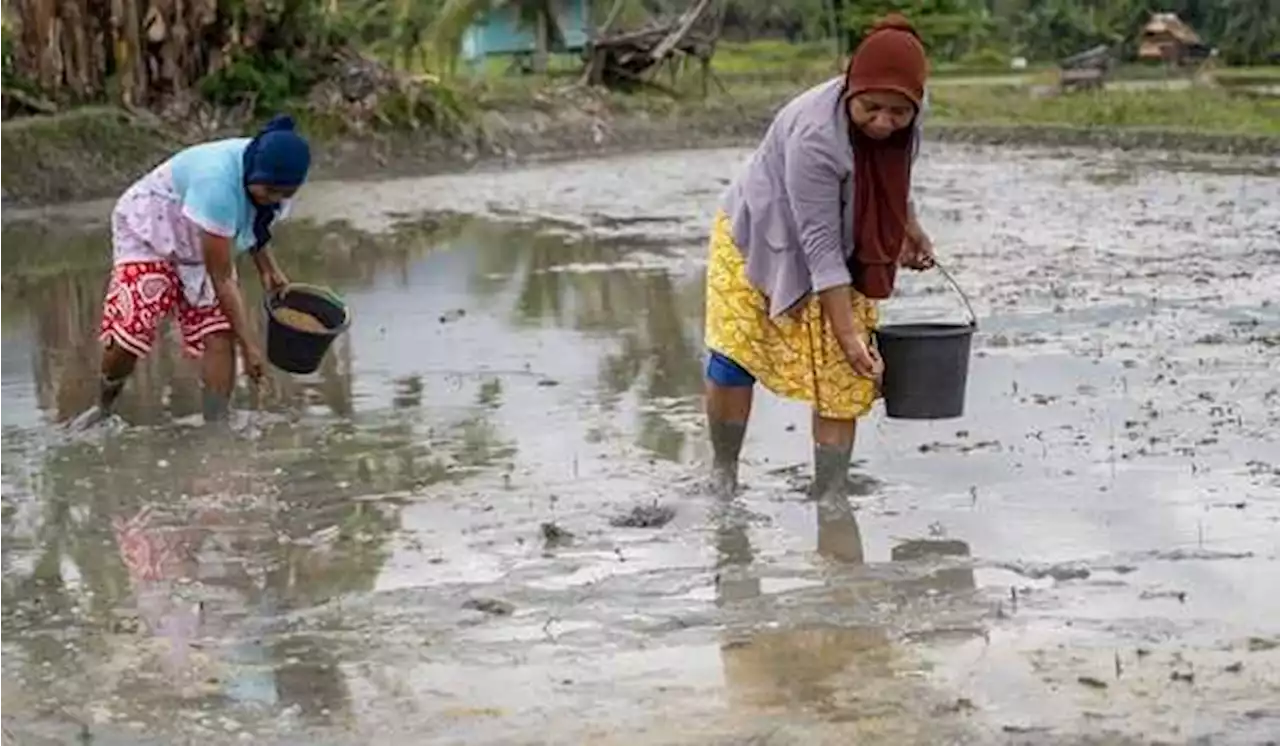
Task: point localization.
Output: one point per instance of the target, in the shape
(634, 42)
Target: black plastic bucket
(926, 366)
(300, 350)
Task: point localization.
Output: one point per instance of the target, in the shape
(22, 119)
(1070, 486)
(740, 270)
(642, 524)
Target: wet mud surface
(482, 520)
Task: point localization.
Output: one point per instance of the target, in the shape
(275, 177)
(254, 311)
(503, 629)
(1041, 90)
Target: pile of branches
(360, 94)
(16, 102)
(627, 59)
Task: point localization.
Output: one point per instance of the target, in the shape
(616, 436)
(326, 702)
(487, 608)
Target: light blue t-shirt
(209, 179)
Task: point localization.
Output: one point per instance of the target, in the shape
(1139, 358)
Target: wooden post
(836, 10)
(541, 32)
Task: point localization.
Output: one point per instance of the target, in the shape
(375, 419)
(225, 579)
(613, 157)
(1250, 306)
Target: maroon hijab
(890, 58)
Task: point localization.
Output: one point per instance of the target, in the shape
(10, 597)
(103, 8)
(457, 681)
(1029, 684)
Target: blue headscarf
(277, 156)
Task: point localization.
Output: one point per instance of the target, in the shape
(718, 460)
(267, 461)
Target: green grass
(775, 60)
(52, 156)
(1032, 102)
(1269, 73)
(1208, 110)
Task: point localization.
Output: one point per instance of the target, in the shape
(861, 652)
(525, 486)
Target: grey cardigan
(791, 208)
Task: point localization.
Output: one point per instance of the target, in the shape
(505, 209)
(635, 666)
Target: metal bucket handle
(973, 317)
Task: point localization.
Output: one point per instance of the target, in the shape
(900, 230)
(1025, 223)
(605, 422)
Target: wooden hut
(1167, 38)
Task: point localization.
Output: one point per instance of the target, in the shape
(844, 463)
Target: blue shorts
(724, 372)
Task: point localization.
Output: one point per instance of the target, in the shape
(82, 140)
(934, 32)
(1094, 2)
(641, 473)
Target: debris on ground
(494, 606)
(554, 536)
(1024, 729)
(645, 516)
(1092, 683)
(628, 59)
(1060, 571)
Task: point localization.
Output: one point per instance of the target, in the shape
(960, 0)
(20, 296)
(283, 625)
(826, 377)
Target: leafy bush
(264, 83)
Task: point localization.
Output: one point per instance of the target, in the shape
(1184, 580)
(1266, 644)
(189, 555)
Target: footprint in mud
(645, 516)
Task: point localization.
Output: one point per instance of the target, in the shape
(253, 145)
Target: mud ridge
(96, 152)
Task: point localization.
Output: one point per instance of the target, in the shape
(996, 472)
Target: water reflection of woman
(809, 238)
(794, 666)
(817, 666)
(160, 562)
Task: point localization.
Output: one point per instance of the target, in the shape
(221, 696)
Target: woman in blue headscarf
(176, 234)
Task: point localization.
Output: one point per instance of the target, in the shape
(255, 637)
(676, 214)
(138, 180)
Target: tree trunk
(149, 50)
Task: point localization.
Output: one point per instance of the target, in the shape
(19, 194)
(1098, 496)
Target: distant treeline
(1244, 31)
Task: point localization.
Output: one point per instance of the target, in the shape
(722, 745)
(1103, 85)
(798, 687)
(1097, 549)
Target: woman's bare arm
(813, 187)
(218, 261)
(837, 305)
(273, 278)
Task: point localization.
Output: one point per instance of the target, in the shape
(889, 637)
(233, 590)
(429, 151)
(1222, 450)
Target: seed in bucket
(300, 320)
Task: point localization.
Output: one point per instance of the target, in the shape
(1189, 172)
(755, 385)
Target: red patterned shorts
(140, 295)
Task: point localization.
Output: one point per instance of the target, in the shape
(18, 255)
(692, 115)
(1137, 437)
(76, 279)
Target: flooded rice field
(482, 520)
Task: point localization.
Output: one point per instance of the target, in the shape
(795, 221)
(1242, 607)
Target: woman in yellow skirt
(809, 237)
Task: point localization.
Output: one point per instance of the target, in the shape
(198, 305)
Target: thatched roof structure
(1165, 35)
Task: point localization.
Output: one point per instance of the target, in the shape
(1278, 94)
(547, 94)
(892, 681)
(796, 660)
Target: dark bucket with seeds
(302, 322)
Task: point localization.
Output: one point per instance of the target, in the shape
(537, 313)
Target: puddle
(481, 521)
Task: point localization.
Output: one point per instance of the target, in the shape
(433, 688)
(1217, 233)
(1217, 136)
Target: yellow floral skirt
(796, 355)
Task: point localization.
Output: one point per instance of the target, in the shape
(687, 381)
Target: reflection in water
(598, 286)
(593, 287)
(159, 562)
(799, 666)
(62, 298)
(166, 385)
(821, 668)
(177, 554)
(307, 677)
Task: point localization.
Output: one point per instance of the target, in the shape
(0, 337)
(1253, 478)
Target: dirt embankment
(96, 152)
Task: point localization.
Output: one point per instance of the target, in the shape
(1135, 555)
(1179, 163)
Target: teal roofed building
(504, 32)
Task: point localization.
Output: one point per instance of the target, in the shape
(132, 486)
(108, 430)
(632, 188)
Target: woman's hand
(274, 281)
(255, 365)
(864, 358)
(837, 306)
(917, 251)
(218, 260)
(273, 278)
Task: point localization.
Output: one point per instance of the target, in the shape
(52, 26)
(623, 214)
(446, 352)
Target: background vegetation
(355, 66)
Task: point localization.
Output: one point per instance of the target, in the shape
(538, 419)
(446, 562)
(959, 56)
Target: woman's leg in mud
(832, 450)
(117, 365)
(218, 370)
(728, 409)
(729, 393)
(838, 535)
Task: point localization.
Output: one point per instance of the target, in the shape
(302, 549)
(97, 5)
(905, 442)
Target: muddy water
(418, 543)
